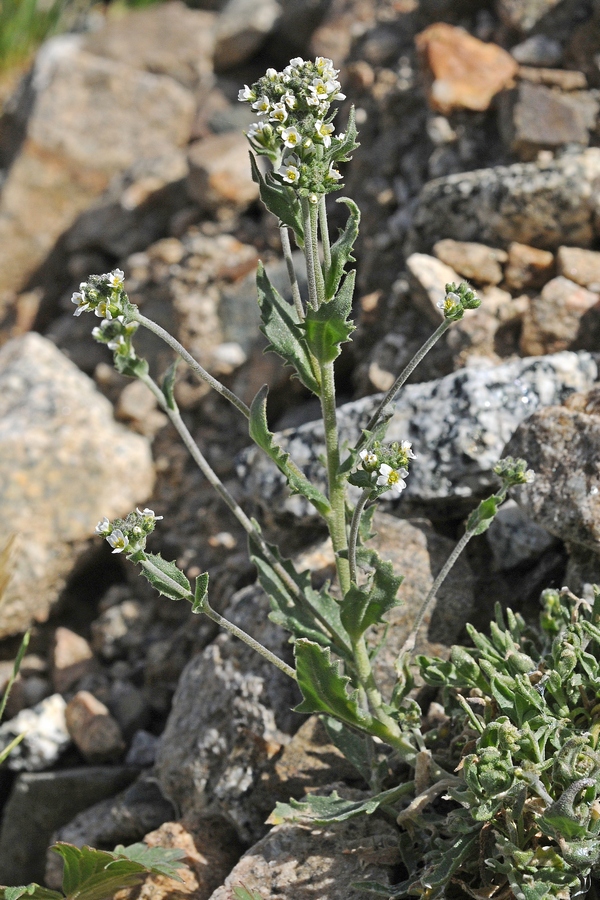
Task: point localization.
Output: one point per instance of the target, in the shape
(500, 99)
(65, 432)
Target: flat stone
(562, 446)
(428, 277)
(534, 117)
(72, 658)
(242, 28)
(458, 426)
(93, 730)
(465, 73)
(476, 262)
(42, 802)
(56, 477)
(538, 50)
(297, 863)
(167, 39)
(220, 172)
(581, 266)
(46, 735)
(553, 320)
(540, 204)
(66, 160)
(524, 14)
(137, 405)
(565, 79)
(528, 267)
(514, 539)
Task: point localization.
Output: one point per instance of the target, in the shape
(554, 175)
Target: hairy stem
(324, 227)
(192, 363)
(313, 211)
(289, 261)
(354, 529)
(337, 492)
(309, 255)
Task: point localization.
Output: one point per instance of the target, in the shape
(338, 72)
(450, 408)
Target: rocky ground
(480, 160)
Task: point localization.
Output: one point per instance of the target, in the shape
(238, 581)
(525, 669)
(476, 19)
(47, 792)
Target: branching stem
(289, 261)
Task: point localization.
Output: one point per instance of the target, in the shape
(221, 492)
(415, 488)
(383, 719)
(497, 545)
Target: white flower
(246, 94)
(369, 458)
(279, 113)
(103, 527)
(103, 310)
(392, 478)
(324, 131)
(272, 74)
(529, 476)
(262, 105)
(406, 449)
(341, 136)
(291, 137)
(296, 61)
(290, 173)
(82, 304)
(117, 541)
(313, 100)
(116, 278)
(289, 99)
(149, 513)
(334, 173)
(325, 66)
(319, 88)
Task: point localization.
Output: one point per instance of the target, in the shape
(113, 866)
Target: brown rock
(534, 118)
(581, 266)
(428, 278)
(220, 172)
(465, 73)
(137, 405)
(527, 267)
(477, 262)
(93, 730)
(565, 79)
(72, 658)
(552, 321)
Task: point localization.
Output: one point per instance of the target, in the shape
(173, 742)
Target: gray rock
(46, 735)
(297, 863)
(534, 117)
(538, 50)
(143, 749)
(524, 14)
(64, 464)
(514, 539)
(242, 28)
(458, 426)
(562, 446)
(39, 804)
(541, 204)
(220, 173)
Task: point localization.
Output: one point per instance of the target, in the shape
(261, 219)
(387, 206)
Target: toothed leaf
(328, 327)
(341, 251)
(281, 200)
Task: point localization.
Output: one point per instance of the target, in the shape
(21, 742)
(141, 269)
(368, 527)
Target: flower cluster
(514, 471)
(128, 534)
(102, 294)
(457, 300)
(387, 466)
(295, 127)
(117, 334)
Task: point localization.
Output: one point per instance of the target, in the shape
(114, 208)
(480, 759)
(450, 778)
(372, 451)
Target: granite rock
(57, 478)
(562, 446)
(458, 426)
(514, 539)
(46, 735)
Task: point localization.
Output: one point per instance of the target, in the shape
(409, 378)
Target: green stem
(309, 255)
(403, 378)
(289, 261)
(354, 528)
(313, 209)
(324, 227)
(337, 493)
(192, 363)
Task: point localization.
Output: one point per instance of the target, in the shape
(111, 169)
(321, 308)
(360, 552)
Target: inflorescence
(129, 534)
(387, 466)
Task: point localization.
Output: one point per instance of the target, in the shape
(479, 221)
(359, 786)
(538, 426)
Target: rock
(581, 266)
(538, 50)
(95, 733)
(46, 736)
(297, 863)
(428, 277)
(540, 204)
(66, 161)
(564, 79)
(465, 73)
(562, 447)
(475, 262)
(292, 32)
(527, 267)
(534, 117)
(458, 425)
(129, 706)
(72, 658)
(65, 464)
(514, 539)
(553, 320)
(242, 28)
(143, 749)
(582, 47)
(168, 39)
(220, 172)
(138, 406)
(120, 629)
(211, 848)
(42, 802)
(523, 15)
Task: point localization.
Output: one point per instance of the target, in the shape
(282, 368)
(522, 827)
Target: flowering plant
(490, 802)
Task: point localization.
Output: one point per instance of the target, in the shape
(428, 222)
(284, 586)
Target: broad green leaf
(320, 810)
(363, 607)
(281, 200)
(168, 384)
(452, 859)
(358, 749)
(165, 577)
(158, 860)
(482, 517)
(324, 688)
(280, 326)
(328, 327)
(341, 251)
(260, 434)
(200, 593)
(133, 368)
(35, 891)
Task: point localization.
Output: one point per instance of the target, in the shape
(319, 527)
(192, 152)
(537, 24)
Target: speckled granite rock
(458, 425)
(562, 446)
(64, 464)
(46, 735)
(514, 539)
(543, 204)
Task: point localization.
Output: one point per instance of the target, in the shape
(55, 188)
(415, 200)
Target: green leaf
(281, 328)
(201, 593)
(452, 859)
(323, 686)
(482, 517)
(165, 577)
(168, 384)
(358, 749)
(328, 327)
(158, 860)
(341, 251)
(320, 810)
(35, 891)
(133, 368)
(350, 144)
(242, 893)
(362, 608)
(281, 200)
(260, 434)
